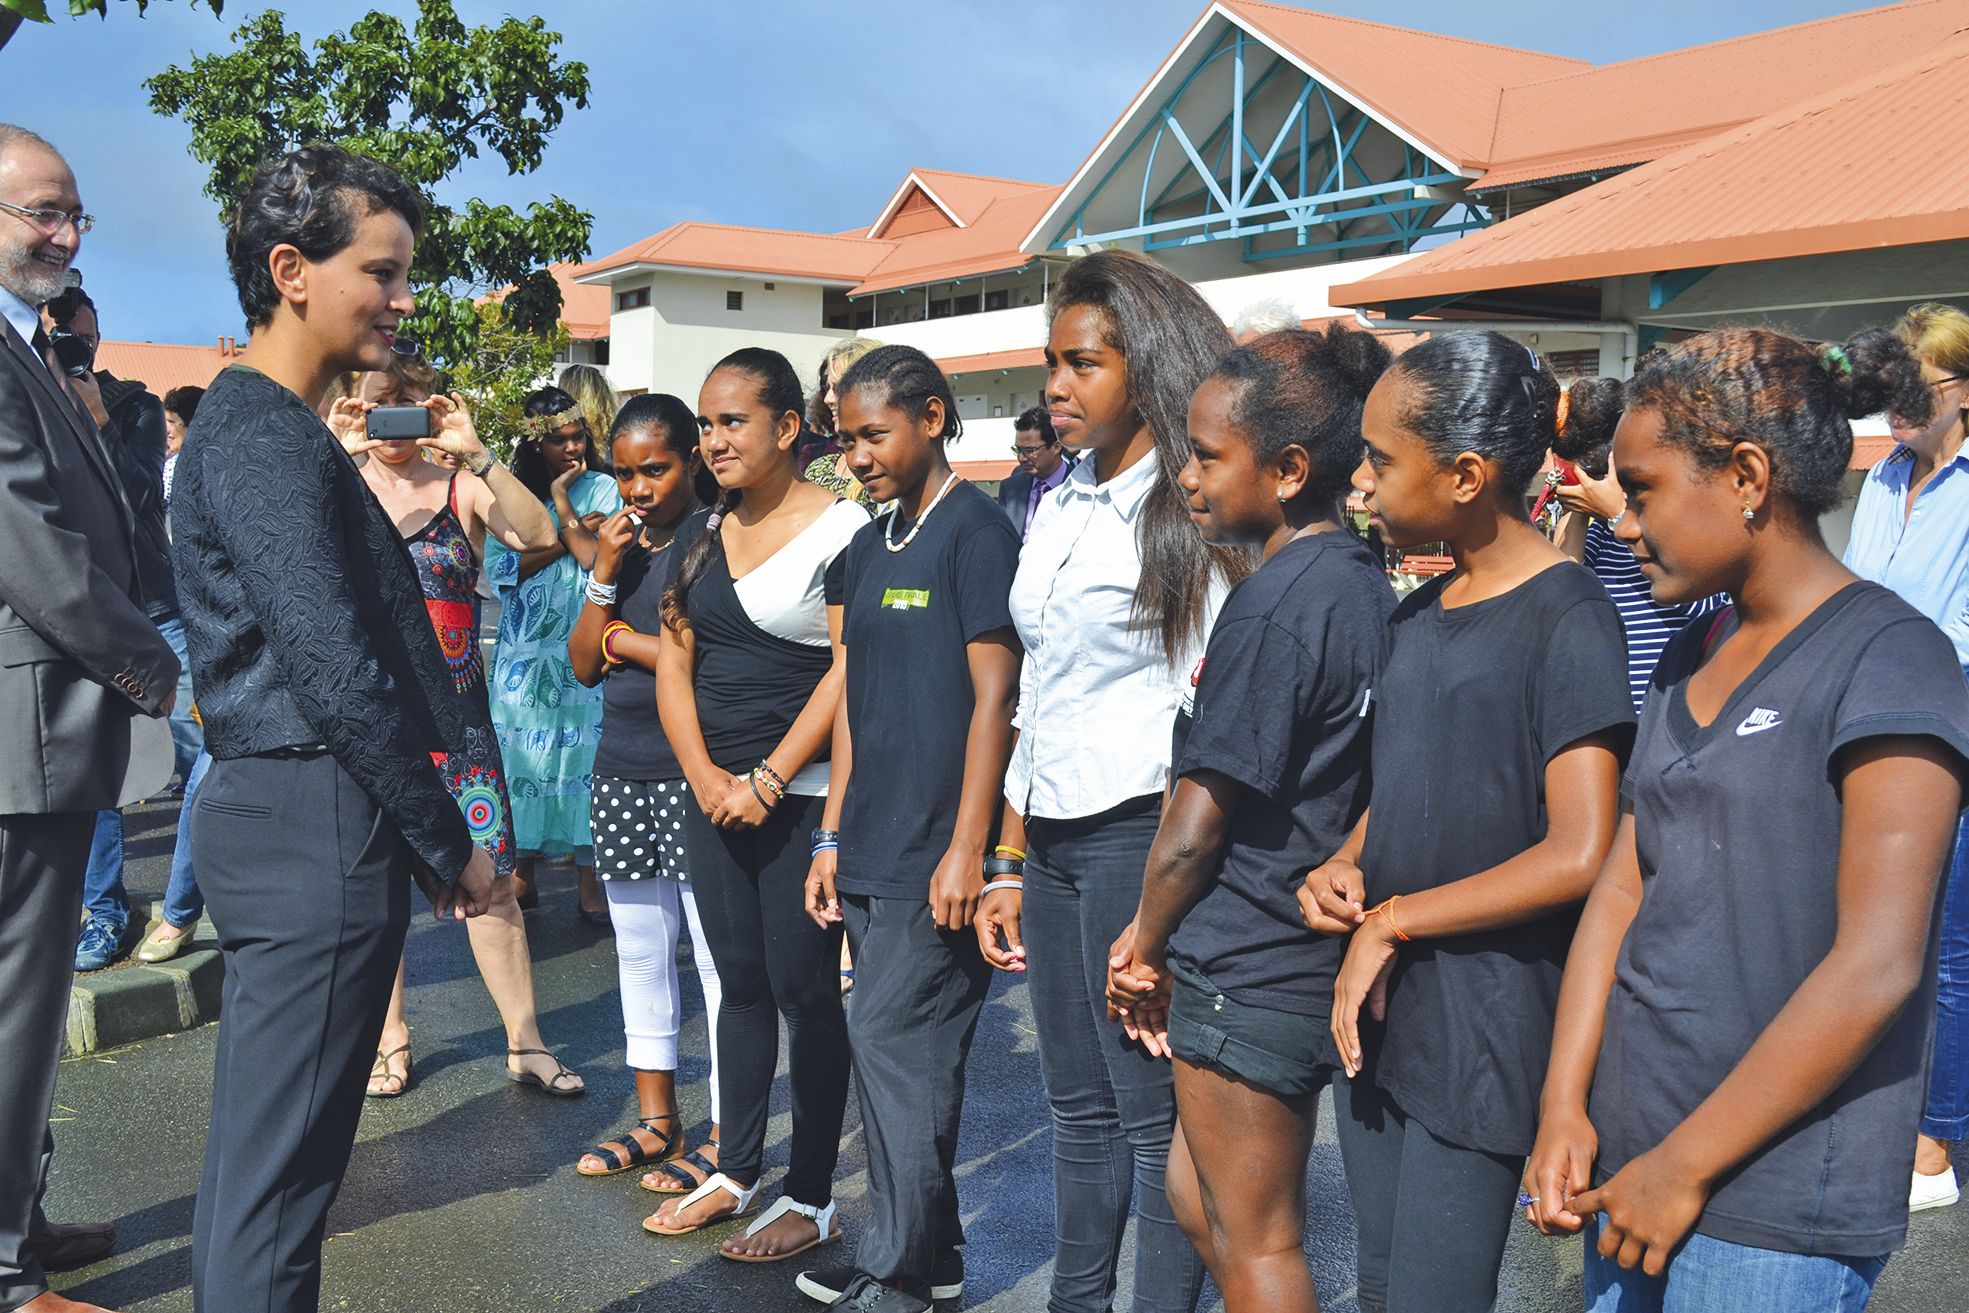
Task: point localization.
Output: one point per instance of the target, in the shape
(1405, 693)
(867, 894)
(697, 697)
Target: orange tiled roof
(161, 366)
(1442, 90)
(728, 248)
(1846, 169)
(584, 306)
(1593, 119)
(989, 243)
(1017, 358)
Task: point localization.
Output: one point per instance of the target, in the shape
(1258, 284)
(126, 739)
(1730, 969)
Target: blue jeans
(1715, 1276)
(103, 893)
(187, 739)
(1114, 1107)
(1947, 1114)
(183, 904)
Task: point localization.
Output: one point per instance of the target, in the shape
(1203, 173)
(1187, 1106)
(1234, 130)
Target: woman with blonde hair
(1911, 533)
(596, 397)
(827, 469)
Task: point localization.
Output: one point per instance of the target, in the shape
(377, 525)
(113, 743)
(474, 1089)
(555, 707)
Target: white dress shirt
(24, 317)
(1097, 698)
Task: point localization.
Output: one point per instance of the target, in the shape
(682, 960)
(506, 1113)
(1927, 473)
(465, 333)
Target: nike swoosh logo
(1757, 722)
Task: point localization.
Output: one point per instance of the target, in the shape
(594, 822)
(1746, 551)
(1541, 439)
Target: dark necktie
(41, 344)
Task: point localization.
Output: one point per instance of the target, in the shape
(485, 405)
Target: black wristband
(768, 803)
(825, 836)
(997, 866)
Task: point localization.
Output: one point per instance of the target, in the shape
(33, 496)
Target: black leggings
(772, 962)
(1433, 1216)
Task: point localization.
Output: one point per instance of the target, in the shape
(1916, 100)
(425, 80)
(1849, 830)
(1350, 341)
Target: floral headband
(539, 426)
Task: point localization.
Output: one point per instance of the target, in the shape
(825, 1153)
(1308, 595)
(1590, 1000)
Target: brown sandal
(380, 1070)
(637, 1154)
(551, 1084)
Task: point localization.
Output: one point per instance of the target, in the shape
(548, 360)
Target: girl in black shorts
(1741, 1052)
(1270, 769)
(1501, 716)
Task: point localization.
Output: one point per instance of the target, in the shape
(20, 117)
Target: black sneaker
(867, 1295)
(947, 1277)
(826, 1284)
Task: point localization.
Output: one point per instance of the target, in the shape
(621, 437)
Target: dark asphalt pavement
(462, 1195)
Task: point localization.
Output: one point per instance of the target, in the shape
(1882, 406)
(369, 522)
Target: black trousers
(309, 885)
(918, 991)
(773, 962)
(41, 864)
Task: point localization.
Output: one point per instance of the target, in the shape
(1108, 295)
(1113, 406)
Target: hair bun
(1875, 370)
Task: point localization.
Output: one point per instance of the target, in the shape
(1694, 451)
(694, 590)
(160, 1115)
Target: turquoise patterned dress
(548, 723)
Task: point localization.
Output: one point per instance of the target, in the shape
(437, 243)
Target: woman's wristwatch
(481, 467)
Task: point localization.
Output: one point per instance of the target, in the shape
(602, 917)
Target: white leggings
(646, 929)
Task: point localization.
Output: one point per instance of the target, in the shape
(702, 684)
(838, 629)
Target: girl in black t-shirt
(1270, 775)
(1737, 1071)
(1501, 715)
(913, 806)
(639, 798)
(748, 682)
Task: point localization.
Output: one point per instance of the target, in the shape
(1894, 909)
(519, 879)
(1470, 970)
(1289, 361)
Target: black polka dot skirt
(639, 828)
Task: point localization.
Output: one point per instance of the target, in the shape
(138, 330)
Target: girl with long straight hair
(1463, 880)
(1741, 1051)
(640, 797)
(1114, 593)
(748, 682)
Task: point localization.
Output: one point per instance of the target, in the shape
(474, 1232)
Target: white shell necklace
(921, 520)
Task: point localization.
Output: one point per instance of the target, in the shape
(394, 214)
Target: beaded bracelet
(778, 780)
(602, 594)
(766, 775)
(1001, 884)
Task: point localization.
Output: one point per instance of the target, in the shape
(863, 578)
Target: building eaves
(730, 248)
(1846, 169)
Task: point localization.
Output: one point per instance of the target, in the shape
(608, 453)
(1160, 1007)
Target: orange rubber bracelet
(1387, 908)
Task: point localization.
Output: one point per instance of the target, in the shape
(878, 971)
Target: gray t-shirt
(1737, 825)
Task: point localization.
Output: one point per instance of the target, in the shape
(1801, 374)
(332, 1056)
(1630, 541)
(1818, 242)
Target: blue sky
(779, 113)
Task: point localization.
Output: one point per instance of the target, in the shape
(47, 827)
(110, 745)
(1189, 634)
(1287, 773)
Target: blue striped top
(1649, 625)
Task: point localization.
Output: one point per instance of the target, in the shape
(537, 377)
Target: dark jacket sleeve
(137, 447)
(50, 577)
(280, 516)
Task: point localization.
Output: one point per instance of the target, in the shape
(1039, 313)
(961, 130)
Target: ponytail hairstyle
(672, 419)
(1790, 398)
(1479, 391)
(906, 379)
(780, 393)
(1306, 388)
(529, 466)
(1171, 339)
(1589, 411)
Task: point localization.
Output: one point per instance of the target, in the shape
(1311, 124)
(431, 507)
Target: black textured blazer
(303, 613)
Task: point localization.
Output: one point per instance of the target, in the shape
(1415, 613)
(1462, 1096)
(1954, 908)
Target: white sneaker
(1937, 1191)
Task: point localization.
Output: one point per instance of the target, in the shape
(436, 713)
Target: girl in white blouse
(1113, 598)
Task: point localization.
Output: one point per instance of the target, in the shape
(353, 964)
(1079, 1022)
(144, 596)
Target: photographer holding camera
(131, 422)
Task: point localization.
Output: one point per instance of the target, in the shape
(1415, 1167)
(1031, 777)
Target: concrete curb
(129, 1003)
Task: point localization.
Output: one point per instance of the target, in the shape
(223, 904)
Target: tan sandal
(380, 1070)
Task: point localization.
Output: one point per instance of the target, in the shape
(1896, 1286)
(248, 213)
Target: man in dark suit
(1043, 466)
(79, 659)
(323, 693)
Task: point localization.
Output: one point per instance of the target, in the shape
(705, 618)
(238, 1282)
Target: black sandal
(551, 1084)
(380, 1070)
(638, 1155)
(674, 1169)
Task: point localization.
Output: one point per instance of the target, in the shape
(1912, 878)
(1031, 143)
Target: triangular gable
(914, 208)
(1438, 94)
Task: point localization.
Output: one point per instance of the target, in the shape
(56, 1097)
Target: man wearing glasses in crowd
(79, 662)
(1043, 466)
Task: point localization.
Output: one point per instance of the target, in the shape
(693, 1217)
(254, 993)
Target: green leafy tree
(505, 363)
(15, 12)
(426, 101)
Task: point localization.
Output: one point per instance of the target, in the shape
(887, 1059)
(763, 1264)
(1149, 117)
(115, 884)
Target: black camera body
(398, 423)
(74, 352)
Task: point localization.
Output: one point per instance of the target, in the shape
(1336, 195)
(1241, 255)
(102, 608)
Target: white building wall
(671, 344)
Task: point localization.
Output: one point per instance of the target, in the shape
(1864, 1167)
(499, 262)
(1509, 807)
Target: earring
(1749, 514)
(1281, 497)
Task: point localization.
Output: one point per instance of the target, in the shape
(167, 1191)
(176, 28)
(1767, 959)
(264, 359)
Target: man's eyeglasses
(1023, 452)
(52, 221)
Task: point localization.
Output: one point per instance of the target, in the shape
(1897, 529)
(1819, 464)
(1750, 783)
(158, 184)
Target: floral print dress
(549, 723)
